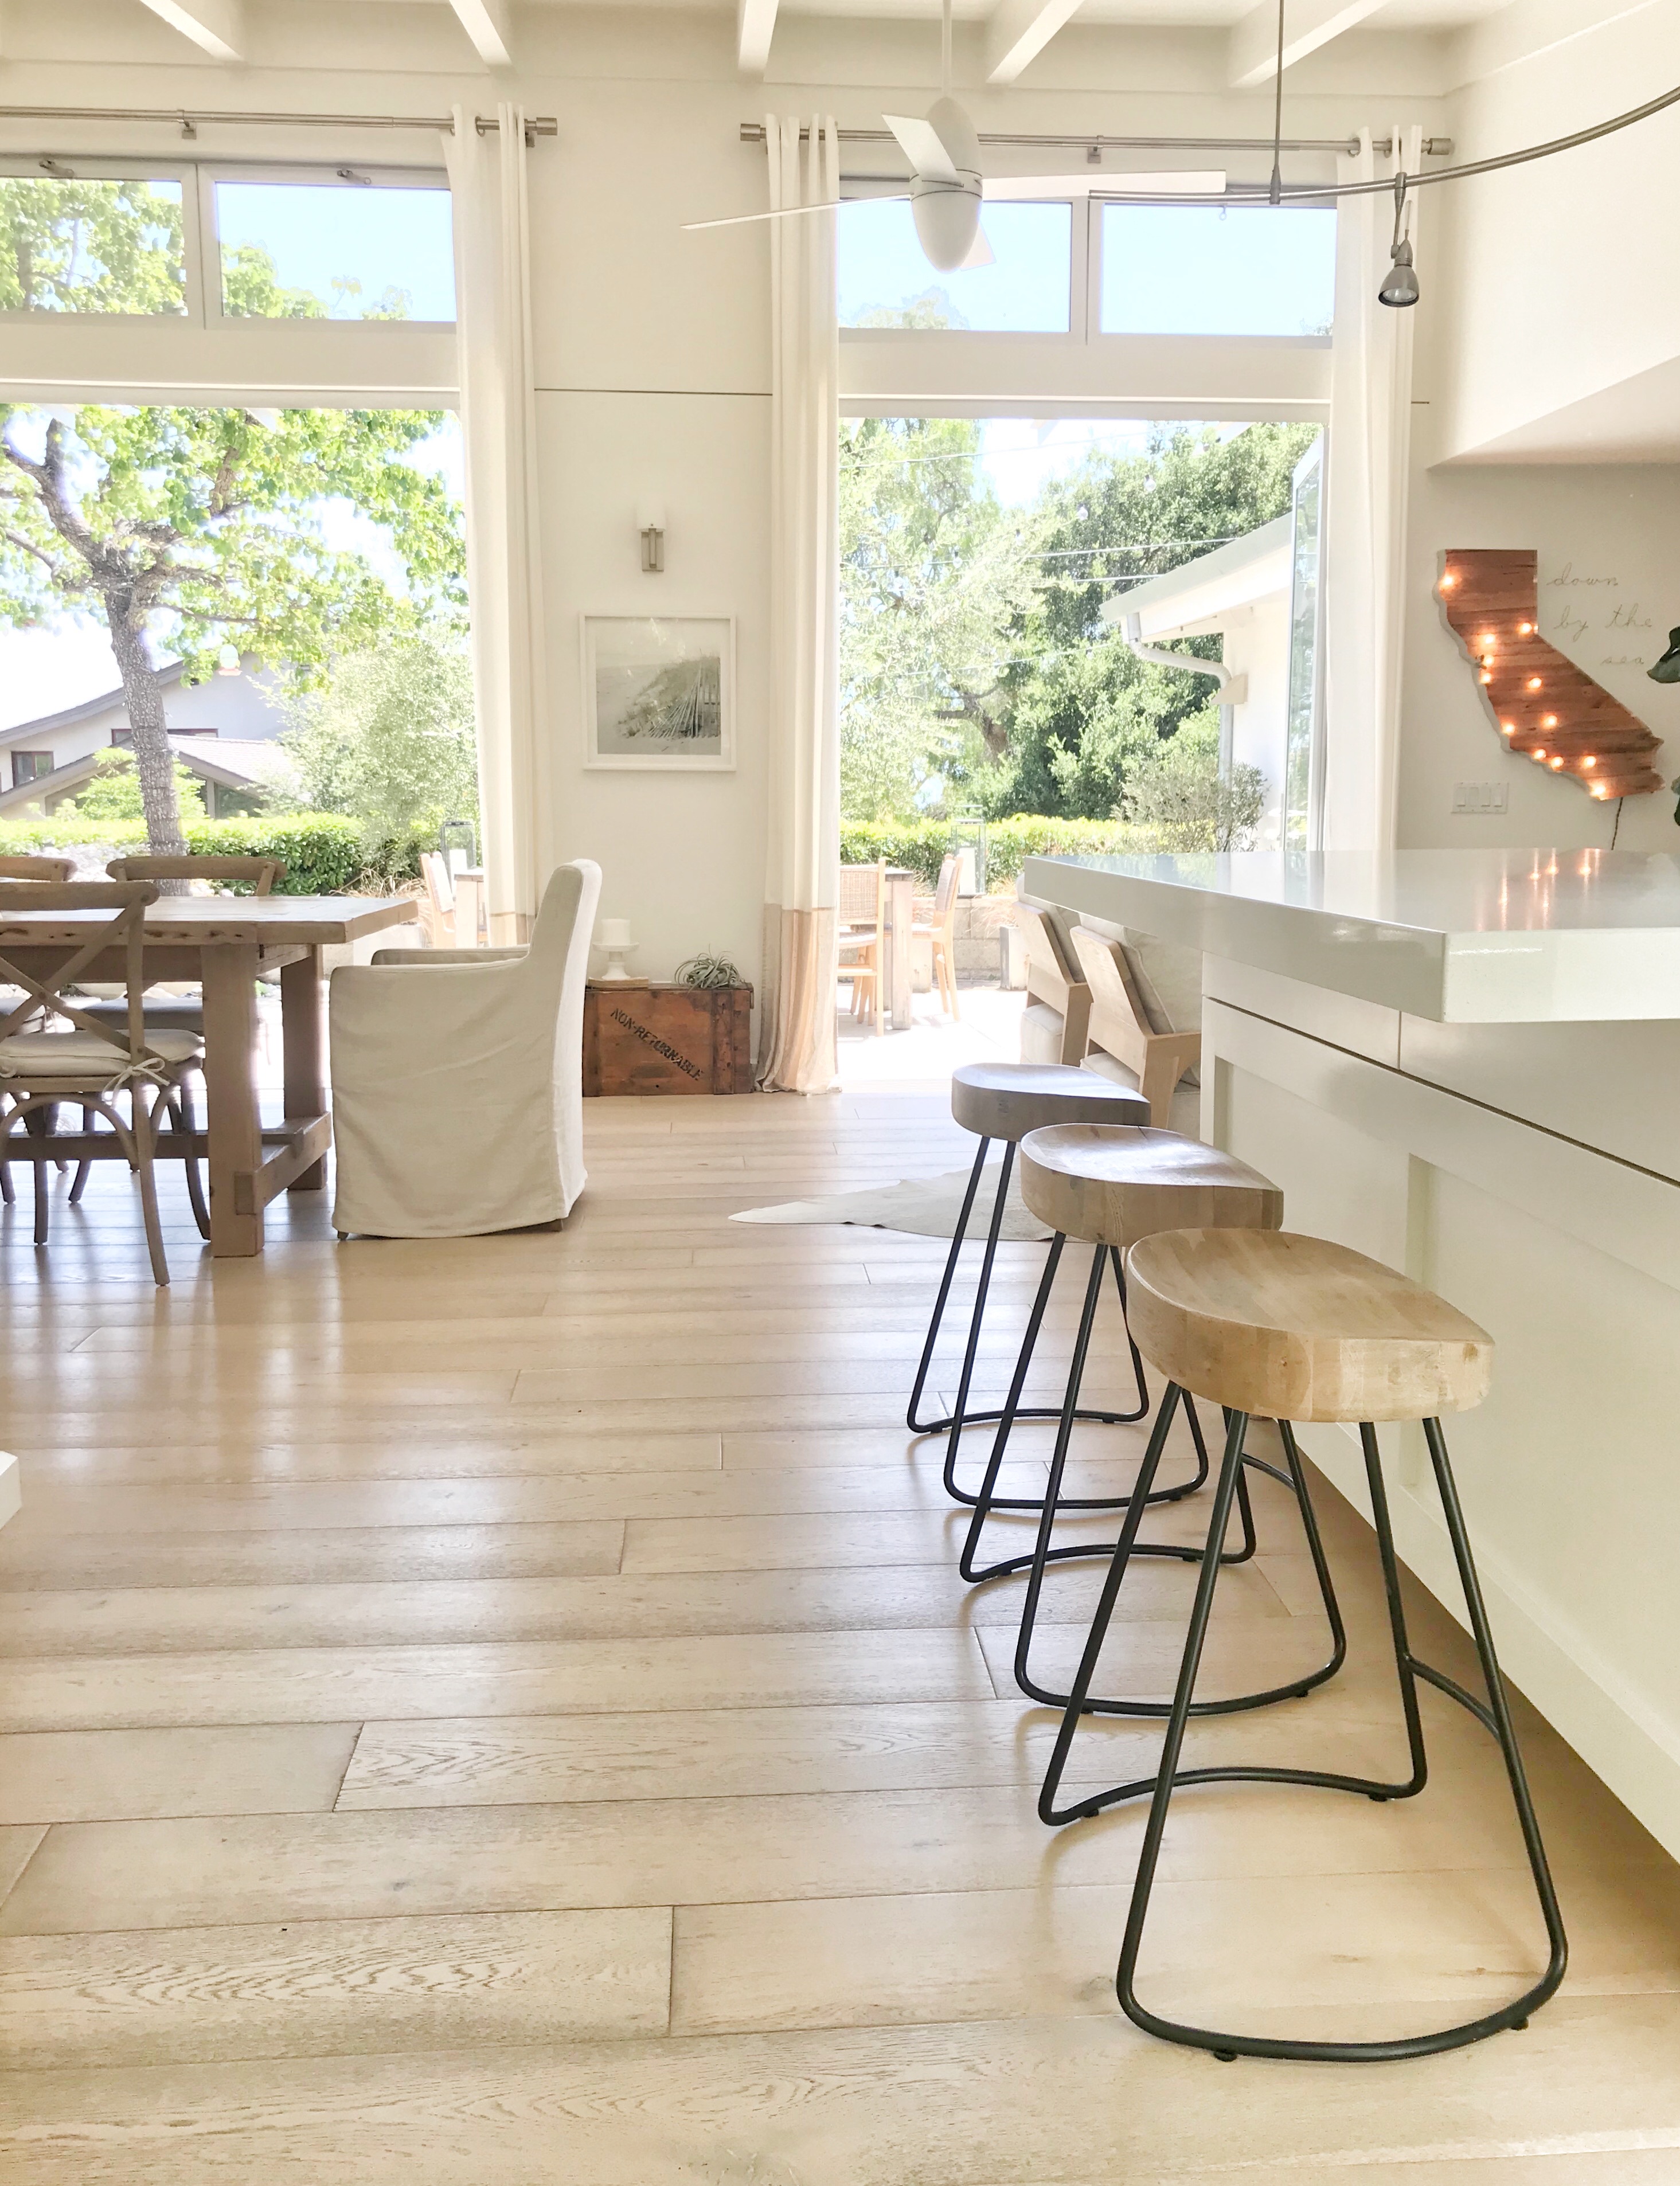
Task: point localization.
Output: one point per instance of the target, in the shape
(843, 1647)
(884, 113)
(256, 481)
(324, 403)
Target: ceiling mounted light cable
(1400, 285)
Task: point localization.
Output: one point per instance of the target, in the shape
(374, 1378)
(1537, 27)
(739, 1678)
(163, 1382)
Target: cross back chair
(95, 1061)
(30, 868)
(261, 872)
(863, 925)
(942, 933)
(180, 1012)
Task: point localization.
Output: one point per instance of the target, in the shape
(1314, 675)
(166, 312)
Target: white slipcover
(458, 1082)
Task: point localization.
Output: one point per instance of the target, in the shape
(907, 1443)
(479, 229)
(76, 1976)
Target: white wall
(1259, 647)
(1608, 543)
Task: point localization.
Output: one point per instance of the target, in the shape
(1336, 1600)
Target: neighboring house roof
(240, 766)
(44, 725)
(1214, 590)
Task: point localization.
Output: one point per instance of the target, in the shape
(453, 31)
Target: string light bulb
(1548, 721)
(1591, 759)
(1556, 762)
(1539, 751)
(1448, 582)
(1507, 728)
(1524, 629)
(1534, 682)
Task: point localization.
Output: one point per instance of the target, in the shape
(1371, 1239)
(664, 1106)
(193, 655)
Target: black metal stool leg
(1495, 1717)
(933, 1427)
(960, 1411)
(1016, 1410)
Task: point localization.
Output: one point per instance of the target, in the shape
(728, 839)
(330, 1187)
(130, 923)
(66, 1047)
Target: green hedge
(323, 851)
(922, 844)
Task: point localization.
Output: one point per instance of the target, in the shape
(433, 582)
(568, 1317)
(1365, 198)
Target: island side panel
(1571, 1258)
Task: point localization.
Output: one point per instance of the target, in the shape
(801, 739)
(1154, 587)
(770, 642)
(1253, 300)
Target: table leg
(229, 972)
(300, 999)
(900, 914)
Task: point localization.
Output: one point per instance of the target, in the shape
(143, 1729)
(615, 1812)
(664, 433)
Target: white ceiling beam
(215, 27)
(1252, 53)
(1019, 31)
(755, 27)
(488, 24)
(1525, 31)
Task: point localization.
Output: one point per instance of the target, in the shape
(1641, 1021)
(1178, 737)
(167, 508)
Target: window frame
(1076, 333)
(309, 175)
(1100, 334)
(1085, 328)
(17, 166)
(200, 236)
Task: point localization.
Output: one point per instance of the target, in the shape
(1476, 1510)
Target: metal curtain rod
(752, 132)
(187, 121)
(1318, 191)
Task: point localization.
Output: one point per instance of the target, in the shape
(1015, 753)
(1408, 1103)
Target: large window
(1218, 269)
(210, 246)
(885, 280)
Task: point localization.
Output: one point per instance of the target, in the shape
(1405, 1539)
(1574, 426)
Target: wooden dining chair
(261, 873)
(862, 935)
(438, 922)
(942, 933)
(28, 867)
(94, 1063)
(174, 1013)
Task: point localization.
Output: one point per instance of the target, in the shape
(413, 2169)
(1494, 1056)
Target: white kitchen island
(1467, 1064)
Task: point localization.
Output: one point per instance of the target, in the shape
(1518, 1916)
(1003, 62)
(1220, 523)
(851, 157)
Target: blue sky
(383, 238)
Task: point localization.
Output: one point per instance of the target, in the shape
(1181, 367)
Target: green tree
(114, 792)
(1080, 705)
(212, 523)
(389, 738)
(932, 576)
(91, 246)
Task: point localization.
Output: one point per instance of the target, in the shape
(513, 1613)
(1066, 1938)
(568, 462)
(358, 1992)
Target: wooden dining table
(223, 942)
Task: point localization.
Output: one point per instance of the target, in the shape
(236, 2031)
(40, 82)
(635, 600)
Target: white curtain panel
(797, 1029)
(487, 178)
(1366, 480)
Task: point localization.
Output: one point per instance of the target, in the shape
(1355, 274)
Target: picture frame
(658, 694)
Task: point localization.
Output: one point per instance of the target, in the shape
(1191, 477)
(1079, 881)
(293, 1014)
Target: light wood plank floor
(504, 1712)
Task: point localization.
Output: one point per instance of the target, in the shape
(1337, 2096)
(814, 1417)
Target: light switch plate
(1479, 796)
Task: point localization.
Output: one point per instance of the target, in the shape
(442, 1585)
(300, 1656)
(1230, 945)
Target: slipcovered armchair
(457, 1078)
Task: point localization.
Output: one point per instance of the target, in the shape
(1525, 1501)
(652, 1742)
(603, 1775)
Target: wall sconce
(650, 522)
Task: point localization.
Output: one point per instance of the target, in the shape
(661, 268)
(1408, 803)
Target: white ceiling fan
(948, 187)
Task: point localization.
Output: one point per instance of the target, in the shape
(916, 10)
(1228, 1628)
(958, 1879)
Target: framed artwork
(658, 691)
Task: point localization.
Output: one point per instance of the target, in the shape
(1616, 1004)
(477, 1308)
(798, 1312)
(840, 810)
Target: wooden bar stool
(1110, 1187)
(1275, 1326)
(1006, 1101)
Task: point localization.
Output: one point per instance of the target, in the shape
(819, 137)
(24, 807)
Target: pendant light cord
(944, 51)
(1276, 192)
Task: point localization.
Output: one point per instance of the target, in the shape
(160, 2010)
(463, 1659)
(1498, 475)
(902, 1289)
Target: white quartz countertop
(1466, 936)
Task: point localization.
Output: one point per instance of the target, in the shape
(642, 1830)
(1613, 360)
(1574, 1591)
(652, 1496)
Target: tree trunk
(143, 694)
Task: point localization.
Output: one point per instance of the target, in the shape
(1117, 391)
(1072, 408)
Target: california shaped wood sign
(1544, 707)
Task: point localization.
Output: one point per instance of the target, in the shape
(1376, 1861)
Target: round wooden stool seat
(1284, 1327)
(1008, 1099)
(1113, 1185)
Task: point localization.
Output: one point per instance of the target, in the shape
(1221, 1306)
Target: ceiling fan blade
(980, 253)
(787, 212)
(923, 146)
(1097, 181)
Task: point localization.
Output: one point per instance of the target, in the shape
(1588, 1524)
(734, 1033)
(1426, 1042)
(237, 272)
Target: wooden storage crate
(664, 1038)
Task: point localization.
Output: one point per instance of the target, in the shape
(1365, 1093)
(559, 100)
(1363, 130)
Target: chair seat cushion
(36, 1055)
